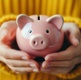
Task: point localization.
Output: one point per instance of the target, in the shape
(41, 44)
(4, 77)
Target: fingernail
(35, 70)
(32, 65)
(24, 58)
(76, 42)
(46, 66)
(49, 58)
(43, 65)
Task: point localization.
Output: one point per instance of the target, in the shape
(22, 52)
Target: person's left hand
(64, 61)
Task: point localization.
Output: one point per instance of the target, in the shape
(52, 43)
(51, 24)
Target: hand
(72, 33)
(17, 61)
(65, 61)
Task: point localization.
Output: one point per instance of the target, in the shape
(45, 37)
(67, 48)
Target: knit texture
(44, 7)
(9, 9)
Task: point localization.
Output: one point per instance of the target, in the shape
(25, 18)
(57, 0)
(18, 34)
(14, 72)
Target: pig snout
(38, 42)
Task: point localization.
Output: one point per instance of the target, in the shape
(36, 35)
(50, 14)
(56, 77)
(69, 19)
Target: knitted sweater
(71, 11)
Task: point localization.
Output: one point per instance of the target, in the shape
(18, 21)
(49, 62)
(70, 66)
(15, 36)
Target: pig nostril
(42, 42)
(35, 42)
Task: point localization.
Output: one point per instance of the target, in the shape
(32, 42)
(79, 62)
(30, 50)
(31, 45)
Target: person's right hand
(17, 61)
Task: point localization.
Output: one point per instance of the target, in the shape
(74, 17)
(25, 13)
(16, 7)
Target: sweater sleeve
(74, 20)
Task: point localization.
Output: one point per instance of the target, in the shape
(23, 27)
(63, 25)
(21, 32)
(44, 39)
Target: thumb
(3, 35)
(74, 38)
(74, 33)
(6, 37)
(8, 32)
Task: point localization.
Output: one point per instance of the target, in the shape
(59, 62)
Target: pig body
(39, 35)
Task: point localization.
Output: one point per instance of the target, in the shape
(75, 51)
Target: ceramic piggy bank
(39, 35)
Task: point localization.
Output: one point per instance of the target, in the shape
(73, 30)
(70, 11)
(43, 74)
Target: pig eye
(47, 31)
(30, 31)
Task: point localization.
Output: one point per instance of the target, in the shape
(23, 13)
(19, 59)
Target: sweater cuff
(74, 20)
(66, 19)
(7, 18)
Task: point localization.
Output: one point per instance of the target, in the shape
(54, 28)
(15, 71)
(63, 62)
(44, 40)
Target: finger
(57, 64)
(33, 63)
(68, 63)
(3, 34)
(10, 26)
(74, 32)
(63, 55)
(21, 63)
(7, 37)
(23, 69)
(8, 31)
(14, 54)
(75, 37)
(55, 70)
(47, 64)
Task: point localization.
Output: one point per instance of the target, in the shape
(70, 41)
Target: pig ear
(57, 20)
(22, 20)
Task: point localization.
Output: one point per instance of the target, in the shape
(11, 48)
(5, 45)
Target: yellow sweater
(70, 9)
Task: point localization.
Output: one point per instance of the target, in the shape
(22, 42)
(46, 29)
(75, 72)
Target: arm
(18, 61)
(64, 61)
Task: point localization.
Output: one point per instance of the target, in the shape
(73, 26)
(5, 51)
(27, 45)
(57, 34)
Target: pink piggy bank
(39, 35)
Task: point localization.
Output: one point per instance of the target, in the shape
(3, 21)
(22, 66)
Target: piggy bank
(39, 35)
